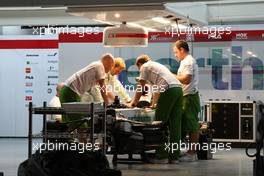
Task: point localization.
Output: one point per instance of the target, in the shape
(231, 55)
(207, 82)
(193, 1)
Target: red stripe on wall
(29, 44)
(81, 38)
(156, 37)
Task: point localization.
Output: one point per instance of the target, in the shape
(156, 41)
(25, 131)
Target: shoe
(158, 161)
(188, 158)
(174, 162)
(183, 153)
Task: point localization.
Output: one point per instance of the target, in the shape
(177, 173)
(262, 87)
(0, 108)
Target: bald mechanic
(167, 100)
(85, 79)
(111, 80)
(188, 76)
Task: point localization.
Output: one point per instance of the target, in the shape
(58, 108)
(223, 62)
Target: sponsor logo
(28, 98)
(214, 36)
(29, 91)
(49, 90)
(52, 55)
(32, 55)
(51, 84)
(28, 70)
(159, 38)
(29, 77)
(52, 69)
(31, 63)
(53, 77)
(52, 61)
(28, 84)
(242, 36)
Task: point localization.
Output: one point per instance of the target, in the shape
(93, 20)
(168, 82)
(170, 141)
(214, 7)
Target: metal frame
(44, 111)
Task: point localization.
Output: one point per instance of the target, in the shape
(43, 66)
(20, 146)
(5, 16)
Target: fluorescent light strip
(161, 20)
(138, 25)
(101, 21)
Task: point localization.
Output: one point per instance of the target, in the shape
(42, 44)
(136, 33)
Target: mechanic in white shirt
(188, 76)
(167, 98)
(114, 86)
(84, 80)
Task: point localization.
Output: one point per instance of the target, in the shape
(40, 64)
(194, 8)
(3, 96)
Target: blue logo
(29, 91)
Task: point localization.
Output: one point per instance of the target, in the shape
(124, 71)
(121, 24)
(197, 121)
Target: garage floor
(233, 163)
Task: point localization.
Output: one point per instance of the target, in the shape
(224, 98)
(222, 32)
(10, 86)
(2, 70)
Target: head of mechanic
(167, 98)
(84, 79)
(188, 76)
(112, 80)
(119, 66)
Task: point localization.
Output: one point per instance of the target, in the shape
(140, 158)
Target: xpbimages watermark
(49, 30)
(59, 146)
(212, 147)
(211, 31)
(132, 88)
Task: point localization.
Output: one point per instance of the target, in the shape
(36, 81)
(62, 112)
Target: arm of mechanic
(184, 79)
(154, 101)
(110, 96)
(103, 91)
(138, 94)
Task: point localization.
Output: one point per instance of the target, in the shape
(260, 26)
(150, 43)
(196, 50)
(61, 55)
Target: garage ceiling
(26, 3)
(54, 12)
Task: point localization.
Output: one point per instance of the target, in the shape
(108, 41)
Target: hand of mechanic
(128, 103)
(131, 104)
(153, 106)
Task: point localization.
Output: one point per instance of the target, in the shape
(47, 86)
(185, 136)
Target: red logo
(28, 98)
(29, 84)
(28, 70)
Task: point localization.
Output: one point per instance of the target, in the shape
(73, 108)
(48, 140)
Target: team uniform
(191, 100)
(169, 105)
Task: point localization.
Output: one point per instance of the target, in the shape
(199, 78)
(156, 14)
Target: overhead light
(125, 36)
(161, 20)
(249, 52)
(117, 15)
(138, 25)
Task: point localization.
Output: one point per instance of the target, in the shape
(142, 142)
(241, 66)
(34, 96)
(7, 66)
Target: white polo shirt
(115, 86)
(84, 79)
(188, 66)
(158, 74)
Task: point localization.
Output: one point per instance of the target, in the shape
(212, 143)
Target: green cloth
(191, 109)
(169, 111)
(67, 95)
